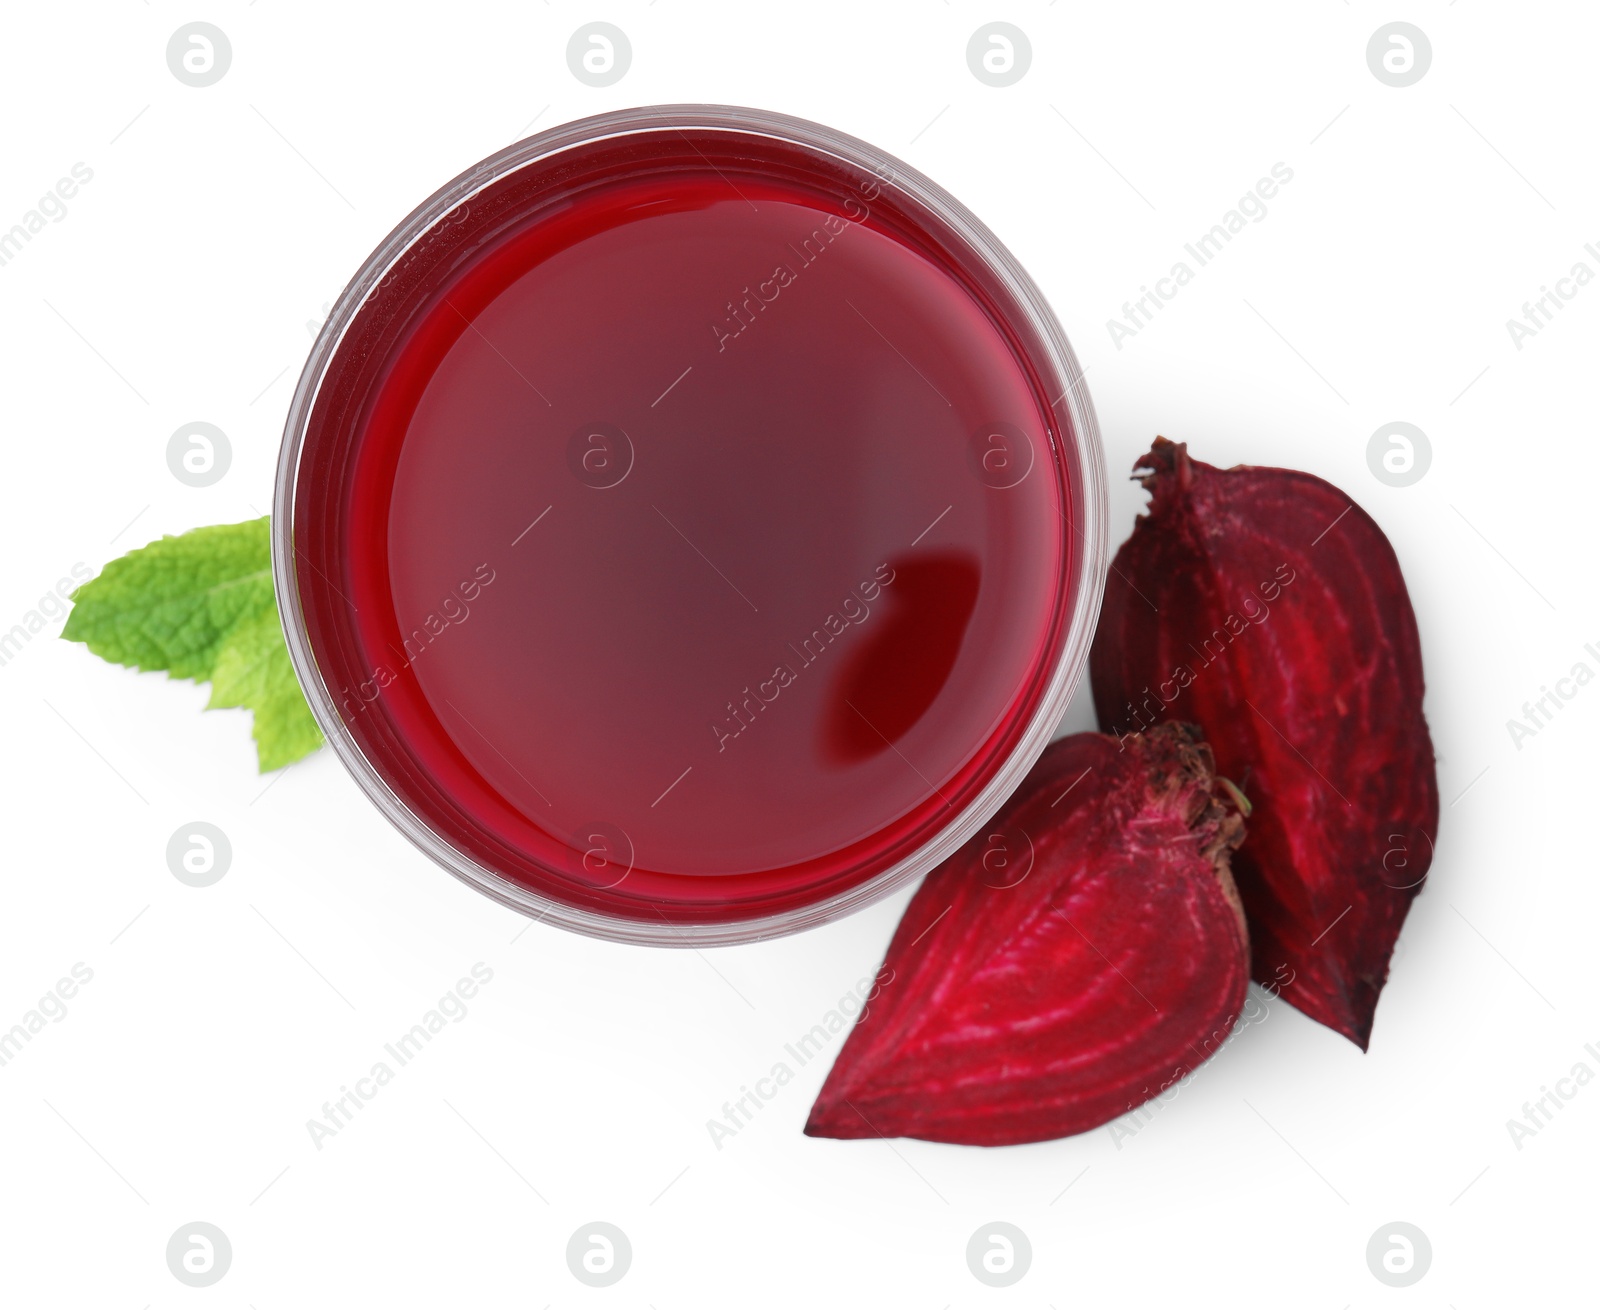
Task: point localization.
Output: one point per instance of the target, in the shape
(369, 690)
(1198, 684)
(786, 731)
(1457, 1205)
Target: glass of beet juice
(690, 525)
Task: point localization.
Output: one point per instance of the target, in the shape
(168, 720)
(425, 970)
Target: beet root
(1267, 607)
(1082, 953)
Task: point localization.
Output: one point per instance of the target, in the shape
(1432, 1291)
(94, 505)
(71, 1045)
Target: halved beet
(1084, 951)
(1265, 606)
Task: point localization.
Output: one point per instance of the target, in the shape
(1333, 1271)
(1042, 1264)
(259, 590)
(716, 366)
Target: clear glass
(1071, 439)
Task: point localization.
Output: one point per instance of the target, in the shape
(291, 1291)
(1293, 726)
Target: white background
(179, 287)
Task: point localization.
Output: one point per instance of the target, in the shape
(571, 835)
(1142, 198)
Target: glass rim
(1083, 458)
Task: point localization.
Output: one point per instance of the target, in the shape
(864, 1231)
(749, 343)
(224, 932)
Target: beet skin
(1267, 607)
(1077, 957)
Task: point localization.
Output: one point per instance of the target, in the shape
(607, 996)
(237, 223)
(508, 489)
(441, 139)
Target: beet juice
(689, 520)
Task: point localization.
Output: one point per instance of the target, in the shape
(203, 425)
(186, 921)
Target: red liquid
(664, 545)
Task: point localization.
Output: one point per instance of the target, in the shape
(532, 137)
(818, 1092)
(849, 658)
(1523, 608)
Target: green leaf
(201, 606)
(253, 672)
(171, 604)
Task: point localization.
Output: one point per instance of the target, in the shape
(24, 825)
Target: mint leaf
(170, 605)
(201, 606)
(253, 672)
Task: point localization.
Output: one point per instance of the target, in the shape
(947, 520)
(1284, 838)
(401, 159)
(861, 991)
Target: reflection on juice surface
(895, 676)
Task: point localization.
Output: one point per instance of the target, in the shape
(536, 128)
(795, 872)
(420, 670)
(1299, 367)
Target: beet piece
(1267, 607)
(1084, 951)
